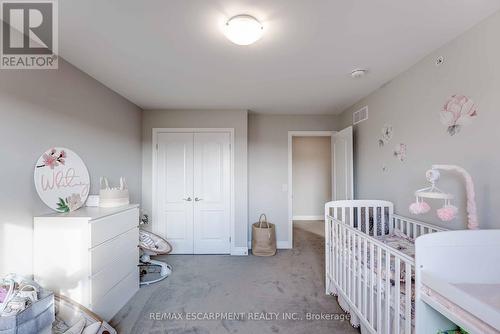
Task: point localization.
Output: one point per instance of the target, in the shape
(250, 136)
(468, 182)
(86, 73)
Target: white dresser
(89, 255)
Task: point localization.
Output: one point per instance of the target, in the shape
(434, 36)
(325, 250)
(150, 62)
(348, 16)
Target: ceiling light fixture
(358, 73)
(243, 29)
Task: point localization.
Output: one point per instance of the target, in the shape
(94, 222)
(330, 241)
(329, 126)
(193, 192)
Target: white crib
(361, 269)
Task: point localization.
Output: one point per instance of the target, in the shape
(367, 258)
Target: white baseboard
(283, 245)
(279, 244)
(239, 251)
(308, 217)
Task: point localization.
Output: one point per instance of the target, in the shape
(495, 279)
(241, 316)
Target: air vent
(360, 115)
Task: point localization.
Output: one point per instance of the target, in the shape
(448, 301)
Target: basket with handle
(113, 197)
(263, 237)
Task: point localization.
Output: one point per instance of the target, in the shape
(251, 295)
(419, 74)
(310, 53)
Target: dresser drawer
(111, 250)
(113, 273)
(106, 228)
(109, 304)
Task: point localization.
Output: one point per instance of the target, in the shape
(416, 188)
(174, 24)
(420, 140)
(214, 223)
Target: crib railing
(413, 228)
(369, 216)
(358, 266)
(375, 218)
(359, 271)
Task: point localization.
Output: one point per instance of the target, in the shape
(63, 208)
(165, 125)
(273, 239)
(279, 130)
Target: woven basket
(263, 237)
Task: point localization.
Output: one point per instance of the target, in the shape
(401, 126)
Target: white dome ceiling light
(243, 29)
(358, 73)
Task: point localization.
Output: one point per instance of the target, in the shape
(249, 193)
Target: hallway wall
(312, 176)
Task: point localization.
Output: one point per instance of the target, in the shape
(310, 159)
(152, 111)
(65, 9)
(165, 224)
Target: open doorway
(310, 180)
(341, 182)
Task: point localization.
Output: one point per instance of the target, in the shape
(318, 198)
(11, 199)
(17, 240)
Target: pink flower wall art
(456, 112)
(52, 159)
(61, 179)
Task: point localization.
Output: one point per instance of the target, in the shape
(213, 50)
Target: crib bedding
(403, 244)
(402, 292)
(398, 241)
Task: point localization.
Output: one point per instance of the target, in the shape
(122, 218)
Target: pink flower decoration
(74, 202)
(418, 208)
(456, 112)
(50, 161)
(447, 213)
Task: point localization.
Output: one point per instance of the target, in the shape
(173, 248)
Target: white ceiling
(172, 54)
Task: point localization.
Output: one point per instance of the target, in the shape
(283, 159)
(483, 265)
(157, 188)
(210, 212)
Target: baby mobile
(447, 212)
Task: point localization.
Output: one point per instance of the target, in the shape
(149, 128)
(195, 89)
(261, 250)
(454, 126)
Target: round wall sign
(61, 179)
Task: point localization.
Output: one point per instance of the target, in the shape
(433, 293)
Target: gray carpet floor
(254, 294)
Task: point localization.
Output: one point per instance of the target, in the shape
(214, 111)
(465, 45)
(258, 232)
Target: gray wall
(65, 107)
(236, 119)
(268, 164)
(411, 103)
(312, 175)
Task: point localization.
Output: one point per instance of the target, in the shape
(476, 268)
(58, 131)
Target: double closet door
(193, 175)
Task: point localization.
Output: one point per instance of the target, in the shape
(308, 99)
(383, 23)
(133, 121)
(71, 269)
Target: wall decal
(61, 179)
(400, 152)
(456, 112)
(386, 137)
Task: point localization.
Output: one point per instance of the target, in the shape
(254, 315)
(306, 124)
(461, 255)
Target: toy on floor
(152, 271)
(71, 317)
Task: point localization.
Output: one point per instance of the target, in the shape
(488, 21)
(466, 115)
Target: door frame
(232, 225)
(349, 151)
(291, 134)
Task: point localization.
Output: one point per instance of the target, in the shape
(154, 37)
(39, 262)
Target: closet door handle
(198, 199)
(187, 199)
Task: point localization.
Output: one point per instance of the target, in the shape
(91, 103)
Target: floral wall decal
(61, 179)
(456, 112)
(53, 159)
(386, 137)
(400, 152)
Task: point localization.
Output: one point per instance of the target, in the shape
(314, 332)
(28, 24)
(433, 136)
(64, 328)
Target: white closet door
(212, 193)
(175, 190)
